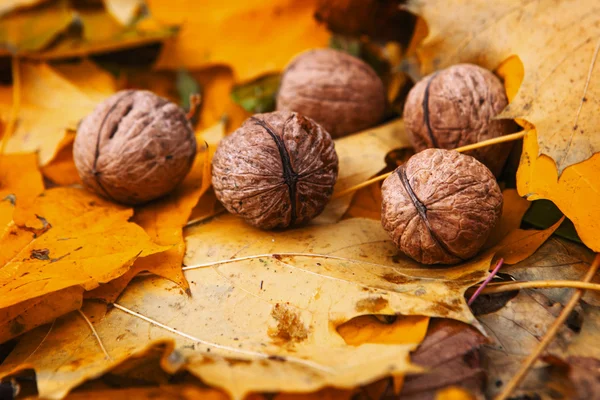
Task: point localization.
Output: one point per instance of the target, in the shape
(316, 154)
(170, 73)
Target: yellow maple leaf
(51, 104)
(557, 43)
(67, 237)
(253, 37)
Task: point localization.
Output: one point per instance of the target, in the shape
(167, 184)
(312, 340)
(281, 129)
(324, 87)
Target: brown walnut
(340, 92)
(278, 169)
(134, 147)
(441, 206)
(455, 107)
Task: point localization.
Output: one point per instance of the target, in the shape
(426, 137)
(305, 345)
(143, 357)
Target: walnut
(134, 147)
(455, 107)
(278, 169)
(441, 206)
(340, 92)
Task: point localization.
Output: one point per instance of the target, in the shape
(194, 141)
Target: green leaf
(257, 96)
(186, 86)
(543, 213)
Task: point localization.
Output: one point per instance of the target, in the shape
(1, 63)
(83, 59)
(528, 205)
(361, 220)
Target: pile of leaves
(179, 298)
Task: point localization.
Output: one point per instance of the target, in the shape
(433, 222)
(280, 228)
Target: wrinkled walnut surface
(340, 92)
(454, 107)
(278, 169)
(441, 206)
(134, 147)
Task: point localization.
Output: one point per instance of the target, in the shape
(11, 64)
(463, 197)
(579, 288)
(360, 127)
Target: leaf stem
(478, 145)
(503, 287)
(549, 336)
(487, 280)
(95, 333)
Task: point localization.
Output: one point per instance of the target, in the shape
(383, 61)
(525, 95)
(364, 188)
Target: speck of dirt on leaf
(396, 278)
(289, 325)
(371, 304)
(40, 254)
(11, 198)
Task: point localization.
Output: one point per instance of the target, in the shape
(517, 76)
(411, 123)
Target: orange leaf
(254, 37)
(20, 183)
(68, 237)
(368, 329)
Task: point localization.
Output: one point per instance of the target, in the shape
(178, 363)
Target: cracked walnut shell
(441, 206)
(134, 147)
(277, 170)
(456, 107)
(340, 92)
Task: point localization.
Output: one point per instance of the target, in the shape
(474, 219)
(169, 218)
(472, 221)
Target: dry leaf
(20, 183)
(67, 237)
(11, 5)
(366, 203)
(61, 168)
(557, 42)
(34, 29)
(585, 344)
(361, 156)
(99, 31)
(514, 208)
(124, 11)
(253, 37)
(263, 308)
(217, 83)
(557, 259)
(51, 104)
(450, 352)
(516, 330)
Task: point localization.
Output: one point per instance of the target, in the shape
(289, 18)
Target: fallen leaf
(217, 104)
(516, 330)
(50, 104)
(369, 329)
(361, 156)
(164, 220)
(11, 5)
(20, 183)
(35, 28)
(68, 237)
(556, 96)
(450, 352)
(282, 301)
(259, 95)
(513, 209)
(366, 203)
(253, 37)
(454, 393)
(124, 11)
(585, 343)
(543, 213)
(557, 259)
(61, 168)
(99, 32)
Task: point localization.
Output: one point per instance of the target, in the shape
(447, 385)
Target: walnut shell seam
(289, 175)
(422, 211)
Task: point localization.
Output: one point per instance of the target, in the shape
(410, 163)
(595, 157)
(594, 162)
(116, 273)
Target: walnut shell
(340, 92)
(278, 169)
(134, 147)
(441, 206)
(455, 107)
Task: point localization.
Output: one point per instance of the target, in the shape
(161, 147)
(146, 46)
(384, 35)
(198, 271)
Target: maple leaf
(66, 238)
(51, 104)
(253, 37)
